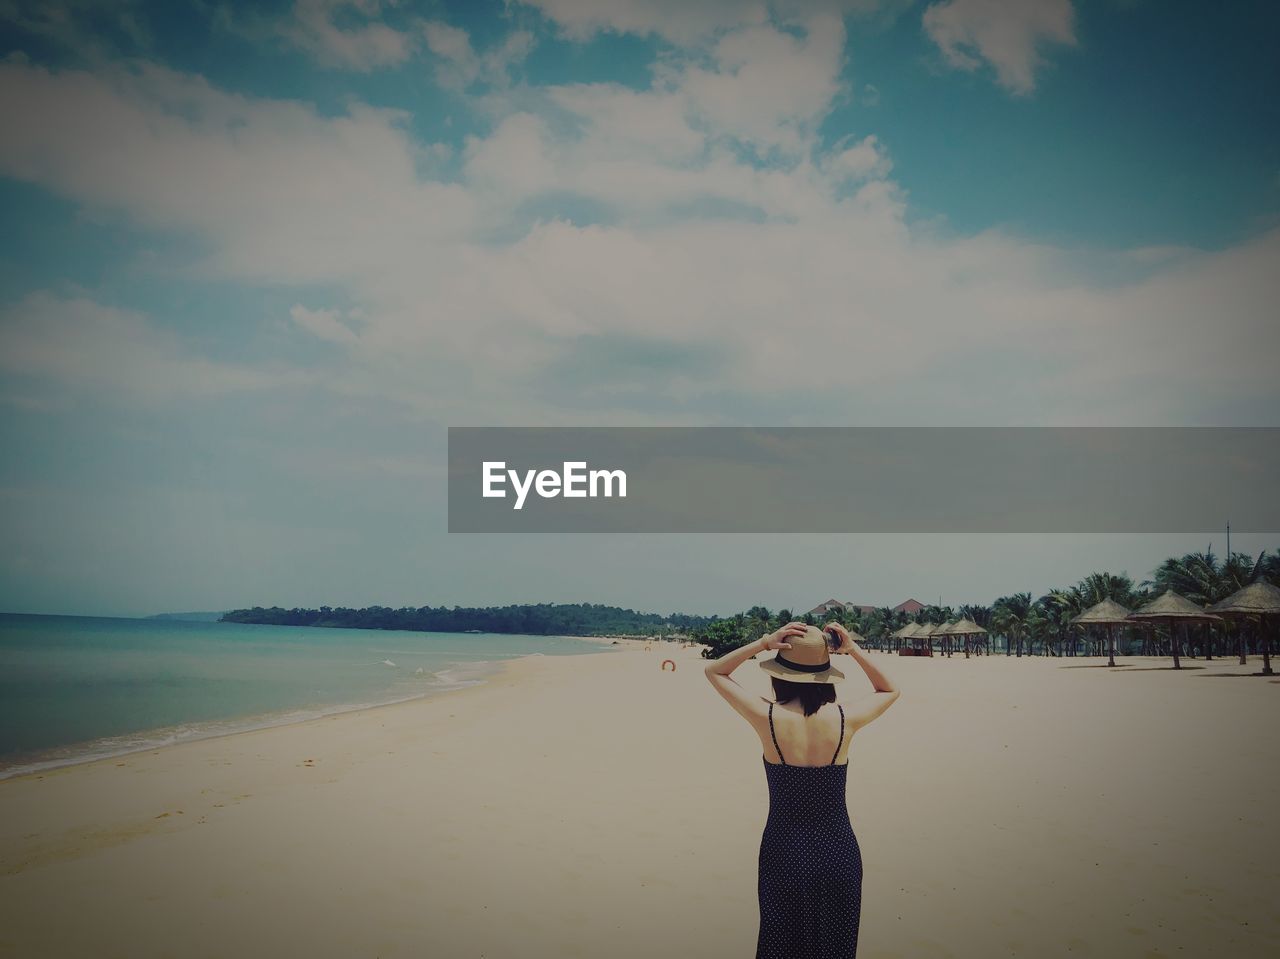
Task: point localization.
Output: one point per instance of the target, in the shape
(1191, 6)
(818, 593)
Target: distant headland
(542, 619)
(196, 617)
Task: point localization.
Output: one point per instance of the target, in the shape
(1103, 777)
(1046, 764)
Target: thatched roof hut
(1170, 608)
(1256, 599)
(1259, 599)
(1107, 613)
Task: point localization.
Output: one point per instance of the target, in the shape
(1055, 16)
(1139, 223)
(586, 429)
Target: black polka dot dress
(810, 864)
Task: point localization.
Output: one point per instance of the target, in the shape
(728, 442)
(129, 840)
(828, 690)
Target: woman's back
(800, 740)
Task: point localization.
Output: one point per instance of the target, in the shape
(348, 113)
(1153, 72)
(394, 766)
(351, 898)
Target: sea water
(74, 688)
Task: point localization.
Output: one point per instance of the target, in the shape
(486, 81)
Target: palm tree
(1009, 616)
(891, 620)
(1197, 576)
(873, 626)
(1057, 607)
(1096, 587)
(1039, 628)
(1269, 568)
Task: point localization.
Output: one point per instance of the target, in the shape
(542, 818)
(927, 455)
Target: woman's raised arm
(886, 693)
(748, 705)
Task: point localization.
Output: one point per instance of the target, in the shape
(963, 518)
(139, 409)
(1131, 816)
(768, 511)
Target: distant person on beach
(810, 874)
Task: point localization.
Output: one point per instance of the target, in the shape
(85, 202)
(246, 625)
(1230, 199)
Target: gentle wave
(459, 676)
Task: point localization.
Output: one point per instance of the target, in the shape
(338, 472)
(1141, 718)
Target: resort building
(910, 607)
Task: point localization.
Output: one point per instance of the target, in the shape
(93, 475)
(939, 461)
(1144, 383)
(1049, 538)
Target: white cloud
(312, 27)
(684, 23)
(763, 85)
(324, 324)
(676, 20)
(459, 66)
(280, 192)
(625, 123)
(477, 311)
(866, 158)
(91, 349)
(643, 151)
(640, 181)
(763, 76)
(1007, 34)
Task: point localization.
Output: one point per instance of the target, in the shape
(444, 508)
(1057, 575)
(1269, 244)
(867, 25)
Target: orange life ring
(664, 665)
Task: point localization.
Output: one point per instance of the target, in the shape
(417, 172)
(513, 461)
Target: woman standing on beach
(810, 879)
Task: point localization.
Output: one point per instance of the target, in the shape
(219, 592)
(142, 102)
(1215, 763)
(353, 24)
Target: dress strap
(775, 736)
(841, 743)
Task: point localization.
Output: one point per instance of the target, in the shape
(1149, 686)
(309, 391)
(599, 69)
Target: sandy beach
(596, 806)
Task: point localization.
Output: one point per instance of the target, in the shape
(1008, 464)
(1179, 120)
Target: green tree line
(544, 619)
(1020, 625)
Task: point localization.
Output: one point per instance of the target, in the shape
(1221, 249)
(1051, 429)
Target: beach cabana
(942, 634)
(906, 632)
(1257, 599)
(1171, 609)
(924, 637)
(1107, 613)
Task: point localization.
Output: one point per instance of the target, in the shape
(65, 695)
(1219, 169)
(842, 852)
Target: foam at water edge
(459, 676)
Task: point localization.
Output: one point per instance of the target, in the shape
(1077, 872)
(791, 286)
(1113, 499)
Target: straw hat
(807, 661)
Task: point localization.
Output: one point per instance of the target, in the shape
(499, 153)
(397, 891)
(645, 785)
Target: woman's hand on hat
(846, 641)
(778, 638)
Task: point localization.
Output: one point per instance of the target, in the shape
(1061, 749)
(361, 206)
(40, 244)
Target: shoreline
(257, 722)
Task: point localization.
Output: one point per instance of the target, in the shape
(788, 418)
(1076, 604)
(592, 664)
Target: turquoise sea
(74, 688)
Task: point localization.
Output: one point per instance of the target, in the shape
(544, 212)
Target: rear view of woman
(810, 877)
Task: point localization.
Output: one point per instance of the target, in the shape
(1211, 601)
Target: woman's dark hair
(811, 695)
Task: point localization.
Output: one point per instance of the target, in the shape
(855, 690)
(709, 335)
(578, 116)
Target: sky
(258, 257)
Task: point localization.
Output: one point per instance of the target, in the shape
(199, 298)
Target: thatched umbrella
(1257, 599)
(966, 627)
(1171, 608)
(856, 636)
(1107, 613)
